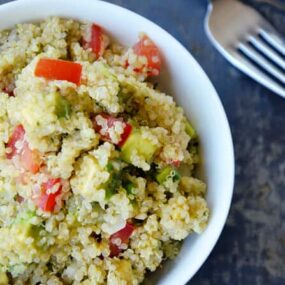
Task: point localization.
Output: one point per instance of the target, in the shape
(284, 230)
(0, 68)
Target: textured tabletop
(251, 250)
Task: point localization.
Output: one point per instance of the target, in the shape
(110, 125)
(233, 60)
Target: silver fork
(248, 41)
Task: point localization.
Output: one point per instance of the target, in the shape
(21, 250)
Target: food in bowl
(97, 166)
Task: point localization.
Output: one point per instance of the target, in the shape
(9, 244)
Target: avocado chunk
(23, 238)
(137, 144)
(89, 179)
(23, 231)
(3, 278)
(190, 131)
(166, 173)
(90, 169)
(24, 228)
(62, 106)
(24, 217)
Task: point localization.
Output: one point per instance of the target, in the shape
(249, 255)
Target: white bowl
(185, 80)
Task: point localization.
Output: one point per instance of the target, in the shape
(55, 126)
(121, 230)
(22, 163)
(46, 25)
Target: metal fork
(248, 41)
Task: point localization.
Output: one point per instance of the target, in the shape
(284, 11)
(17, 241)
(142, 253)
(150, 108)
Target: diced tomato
(56, 69)
(110, 122)
(96, 41)
(146, 47)
(47, 201)
(17, 136)
(30, 160)
(127, 131)
(175, 163)
(126, 64)
(99, 128)
(123, 237)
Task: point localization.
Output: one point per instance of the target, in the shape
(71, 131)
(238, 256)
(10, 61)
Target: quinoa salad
(97, 166)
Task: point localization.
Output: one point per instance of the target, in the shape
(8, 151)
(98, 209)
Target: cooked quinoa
(97, 166)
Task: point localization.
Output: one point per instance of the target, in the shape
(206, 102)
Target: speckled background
(251, 250)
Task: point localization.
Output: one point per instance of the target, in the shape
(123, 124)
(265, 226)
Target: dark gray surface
(251, 249)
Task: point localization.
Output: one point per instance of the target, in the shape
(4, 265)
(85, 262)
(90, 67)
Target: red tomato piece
(110, 122)
(95, 40)
(99, 128)
(47, 200)
(17, 136)
(122, 237)
(146, 47)
(30, 160)
(56, 69)
(127, 131)
(175, 163)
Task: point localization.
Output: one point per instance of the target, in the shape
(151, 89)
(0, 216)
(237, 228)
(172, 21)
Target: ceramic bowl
(183, 78)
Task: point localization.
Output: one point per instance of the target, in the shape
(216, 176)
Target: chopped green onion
(163, 174)
(176, 176)
(166, 173)
(129, 186)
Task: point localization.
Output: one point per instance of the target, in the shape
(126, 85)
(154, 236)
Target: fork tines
(266, 52)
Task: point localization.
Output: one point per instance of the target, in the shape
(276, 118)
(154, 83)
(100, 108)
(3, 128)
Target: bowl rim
(185, 275)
